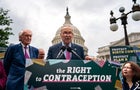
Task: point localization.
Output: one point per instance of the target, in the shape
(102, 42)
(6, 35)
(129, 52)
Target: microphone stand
(71, 50)
(61, 52)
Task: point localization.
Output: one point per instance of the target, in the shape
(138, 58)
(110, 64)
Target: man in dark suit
(15, 60)
(59, 51)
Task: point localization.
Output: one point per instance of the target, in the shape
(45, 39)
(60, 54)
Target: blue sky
(91, 17)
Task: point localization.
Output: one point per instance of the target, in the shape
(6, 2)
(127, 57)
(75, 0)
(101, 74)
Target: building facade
(134, 40)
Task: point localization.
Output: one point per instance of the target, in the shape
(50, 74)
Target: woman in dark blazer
(131, 76)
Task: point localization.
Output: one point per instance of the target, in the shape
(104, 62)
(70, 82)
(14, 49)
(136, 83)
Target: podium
(71, 75)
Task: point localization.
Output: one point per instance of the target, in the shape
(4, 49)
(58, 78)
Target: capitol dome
(78, 39)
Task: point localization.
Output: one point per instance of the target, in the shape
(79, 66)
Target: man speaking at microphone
(66, 49)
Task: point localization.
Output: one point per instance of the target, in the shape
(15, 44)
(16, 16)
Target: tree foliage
(5, 29)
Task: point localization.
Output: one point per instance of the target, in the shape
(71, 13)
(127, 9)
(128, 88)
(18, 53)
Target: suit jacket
(135, 86)
(55, 49)
(14, 64)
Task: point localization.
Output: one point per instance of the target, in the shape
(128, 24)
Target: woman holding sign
(131, 76)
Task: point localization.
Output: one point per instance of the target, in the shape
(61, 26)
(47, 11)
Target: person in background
(131, 76)
(41, 54)
(3, 77)
(66, 49)
(15, 60)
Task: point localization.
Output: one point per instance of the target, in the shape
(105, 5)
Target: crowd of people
(13, 67)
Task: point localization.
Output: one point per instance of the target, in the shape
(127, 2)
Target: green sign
(72, 75)
(125, 53)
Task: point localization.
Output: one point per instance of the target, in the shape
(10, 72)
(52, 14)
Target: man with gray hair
(66, 49)
(15, 60)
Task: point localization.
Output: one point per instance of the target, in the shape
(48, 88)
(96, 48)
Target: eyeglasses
(127, 68)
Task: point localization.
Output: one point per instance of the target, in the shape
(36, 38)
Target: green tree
(5, 29)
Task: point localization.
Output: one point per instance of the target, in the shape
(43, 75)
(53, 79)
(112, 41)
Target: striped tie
(26, 54)
(67, 55)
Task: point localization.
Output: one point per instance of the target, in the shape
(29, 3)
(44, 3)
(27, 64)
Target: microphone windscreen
(63, 48)
(69, 49)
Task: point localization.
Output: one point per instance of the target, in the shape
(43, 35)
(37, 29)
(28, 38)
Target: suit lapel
(72, 46)
(21, 50)
(30, 51)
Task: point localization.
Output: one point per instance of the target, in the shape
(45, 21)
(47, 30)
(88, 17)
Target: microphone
(71, 50)
(62, 49)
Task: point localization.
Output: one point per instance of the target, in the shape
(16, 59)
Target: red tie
(26, 54)
(67, 55)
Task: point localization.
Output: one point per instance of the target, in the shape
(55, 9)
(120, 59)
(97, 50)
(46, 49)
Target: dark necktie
(26, 54)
